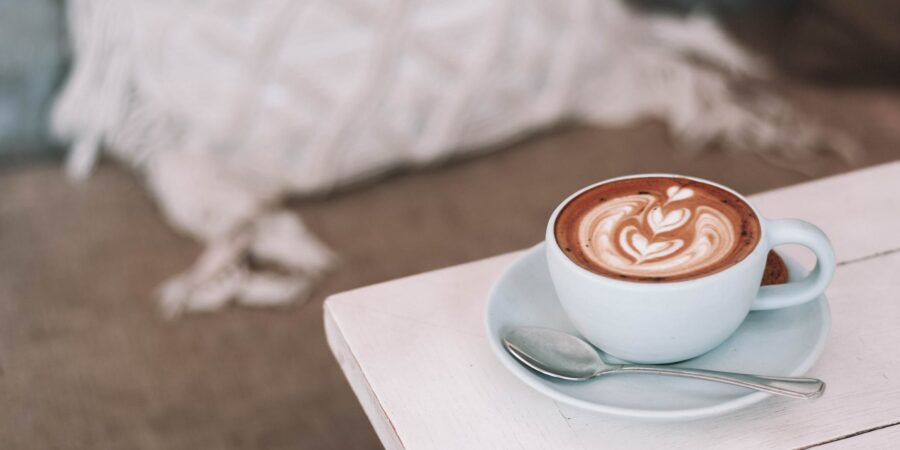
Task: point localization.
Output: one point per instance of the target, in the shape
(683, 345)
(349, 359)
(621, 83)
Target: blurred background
(88, 361)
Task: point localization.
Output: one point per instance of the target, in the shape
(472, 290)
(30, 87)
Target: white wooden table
(415, 351)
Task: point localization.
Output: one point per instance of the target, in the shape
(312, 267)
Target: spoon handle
(803, 388)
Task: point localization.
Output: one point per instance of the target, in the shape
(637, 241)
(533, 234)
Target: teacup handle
(793, 231)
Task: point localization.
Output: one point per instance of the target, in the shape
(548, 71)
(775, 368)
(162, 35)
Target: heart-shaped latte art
(641, 249)
(676, 193)
(660, 222)
(651, 229)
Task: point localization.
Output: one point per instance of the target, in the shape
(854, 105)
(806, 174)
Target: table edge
(359, 383)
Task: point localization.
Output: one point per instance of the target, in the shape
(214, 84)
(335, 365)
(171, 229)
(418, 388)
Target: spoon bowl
(554, 353)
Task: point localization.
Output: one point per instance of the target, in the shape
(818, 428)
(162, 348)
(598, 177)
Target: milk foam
(656, 233)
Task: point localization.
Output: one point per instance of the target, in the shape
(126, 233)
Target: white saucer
(783, 342)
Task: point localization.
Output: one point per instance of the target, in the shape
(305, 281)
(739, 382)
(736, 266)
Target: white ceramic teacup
(673, 321)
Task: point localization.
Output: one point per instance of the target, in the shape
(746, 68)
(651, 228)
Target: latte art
(656, 229)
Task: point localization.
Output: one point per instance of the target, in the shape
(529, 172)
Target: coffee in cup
(656, 229)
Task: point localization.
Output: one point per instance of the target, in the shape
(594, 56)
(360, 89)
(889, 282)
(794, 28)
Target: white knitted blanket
(228, 105)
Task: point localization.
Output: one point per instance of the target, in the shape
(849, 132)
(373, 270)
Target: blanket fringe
(274, 260)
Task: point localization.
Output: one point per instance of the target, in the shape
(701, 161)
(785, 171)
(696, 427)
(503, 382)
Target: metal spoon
(562, 355)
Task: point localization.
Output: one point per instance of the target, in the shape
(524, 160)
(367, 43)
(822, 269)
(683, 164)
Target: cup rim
(550, 237)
